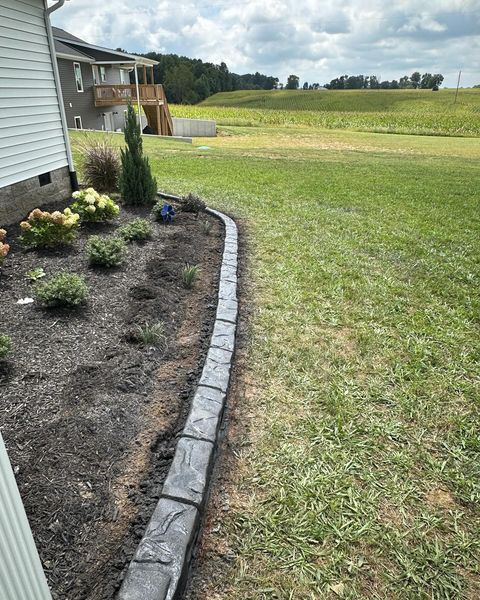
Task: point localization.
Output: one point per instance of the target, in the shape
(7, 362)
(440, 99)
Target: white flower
(76, 195)
(90, 199)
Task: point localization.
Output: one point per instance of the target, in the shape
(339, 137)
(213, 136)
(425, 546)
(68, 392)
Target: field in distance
(421, 112)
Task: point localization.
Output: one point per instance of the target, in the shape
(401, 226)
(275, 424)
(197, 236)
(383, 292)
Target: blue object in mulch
(168, 212)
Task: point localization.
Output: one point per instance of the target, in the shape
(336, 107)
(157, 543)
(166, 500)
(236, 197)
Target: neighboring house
(35, 159)
(96, 86)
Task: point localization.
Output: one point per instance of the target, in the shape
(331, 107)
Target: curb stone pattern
(159, 568)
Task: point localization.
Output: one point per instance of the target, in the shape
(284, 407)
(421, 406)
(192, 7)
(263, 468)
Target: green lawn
(384, 111)
(360, 476)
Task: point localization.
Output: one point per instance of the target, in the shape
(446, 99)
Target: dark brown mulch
(89, 416)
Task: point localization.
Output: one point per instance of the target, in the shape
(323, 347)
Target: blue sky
(316, 40)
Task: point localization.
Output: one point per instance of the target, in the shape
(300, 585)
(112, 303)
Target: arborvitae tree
(137, 185)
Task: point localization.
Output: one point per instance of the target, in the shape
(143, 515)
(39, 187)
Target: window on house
(103, 74)
(124, 78)
(78, 76)
(78, 123)
(96, 78)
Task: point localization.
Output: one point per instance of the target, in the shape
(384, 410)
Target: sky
(314, 39)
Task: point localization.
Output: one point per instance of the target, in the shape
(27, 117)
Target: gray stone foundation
(18, 199)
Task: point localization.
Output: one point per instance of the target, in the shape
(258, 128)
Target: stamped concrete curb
(159, 568)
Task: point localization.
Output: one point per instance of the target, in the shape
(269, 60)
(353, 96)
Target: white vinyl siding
(31, 135)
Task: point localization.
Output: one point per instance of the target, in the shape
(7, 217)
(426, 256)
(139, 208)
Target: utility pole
(458, 84)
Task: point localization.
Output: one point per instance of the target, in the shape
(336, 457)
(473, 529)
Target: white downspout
(56, 76)
(138, 100)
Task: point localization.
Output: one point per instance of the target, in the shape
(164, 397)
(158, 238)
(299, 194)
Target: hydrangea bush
(43, 229)
(4, 247)
(92, 206)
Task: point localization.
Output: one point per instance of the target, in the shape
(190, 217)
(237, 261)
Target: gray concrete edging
(160, 566)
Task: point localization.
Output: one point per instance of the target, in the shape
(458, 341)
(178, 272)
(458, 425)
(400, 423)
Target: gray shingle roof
(61, 48)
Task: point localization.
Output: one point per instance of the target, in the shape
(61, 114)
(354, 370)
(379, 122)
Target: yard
(352, 463)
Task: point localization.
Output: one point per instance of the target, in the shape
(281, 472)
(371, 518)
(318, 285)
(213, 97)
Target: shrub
(92, 206)
(137, 185)
(189, 275)
(64, 289)
(192, 203)
(35, 274)
(151, 335)
(101, 164)
(42, 229)
(137, 230)
(4, 247)
(106, 251)
(206, 227)
(163, 212)
(5, 345)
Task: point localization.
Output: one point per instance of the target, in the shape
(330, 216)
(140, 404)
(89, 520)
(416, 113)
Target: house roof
(96, 53)
(64, 51)
(61, 33)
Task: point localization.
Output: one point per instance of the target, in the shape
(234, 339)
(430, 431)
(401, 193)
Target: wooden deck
(151, 97)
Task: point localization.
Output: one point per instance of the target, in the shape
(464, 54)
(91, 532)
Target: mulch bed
(89, 416)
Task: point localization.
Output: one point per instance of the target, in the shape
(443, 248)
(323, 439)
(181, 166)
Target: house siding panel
(28, 100)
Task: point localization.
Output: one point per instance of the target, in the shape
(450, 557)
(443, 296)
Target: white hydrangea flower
(90, 199)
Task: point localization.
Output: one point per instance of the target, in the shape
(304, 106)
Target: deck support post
(138, 100)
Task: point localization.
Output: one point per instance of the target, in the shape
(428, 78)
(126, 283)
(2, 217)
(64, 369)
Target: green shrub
(151, 335)
(35, 274)
(106, 251)
(192, 203)
(137, 230)
(64, 289)
(92, 206)
(189, 275)
(137, 185)
(207, 227)
(101, 164)
(5, 345)
(43, 229)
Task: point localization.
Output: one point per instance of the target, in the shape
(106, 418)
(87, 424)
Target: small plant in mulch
(137, 184)
(62, 290)
(189, 275)
(137, 230)
(206, 227)
(43, 229)
(35, 274)
(4, 247)
(109, 251)
(192, 203)
(5, 345)
(94, 207)
(163, 212)
(101, 164)
(151, 334)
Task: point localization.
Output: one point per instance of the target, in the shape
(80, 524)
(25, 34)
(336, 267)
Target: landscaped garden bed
(93, 396)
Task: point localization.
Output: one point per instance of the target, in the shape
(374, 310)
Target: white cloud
(316, 40)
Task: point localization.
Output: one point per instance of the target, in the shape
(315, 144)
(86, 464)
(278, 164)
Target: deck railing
(109, 95)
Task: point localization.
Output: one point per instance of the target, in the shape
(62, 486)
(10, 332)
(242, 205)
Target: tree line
(190, 80)
(371, 82)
